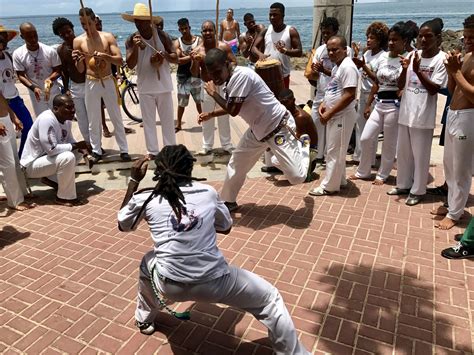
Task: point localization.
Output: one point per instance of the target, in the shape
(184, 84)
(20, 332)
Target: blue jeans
(18, 106)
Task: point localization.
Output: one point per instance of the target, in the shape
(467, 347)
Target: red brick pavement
(360, 273)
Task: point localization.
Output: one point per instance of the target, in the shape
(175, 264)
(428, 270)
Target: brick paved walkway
(360, 273)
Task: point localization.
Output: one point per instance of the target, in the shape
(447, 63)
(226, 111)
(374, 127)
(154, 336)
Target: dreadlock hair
(380, 31)
(59, 23)
(174, 165)
(469, 22)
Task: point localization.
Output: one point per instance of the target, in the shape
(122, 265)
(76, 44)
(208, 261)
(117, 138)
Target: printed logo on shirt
(280, 140)
(414, 84)
(189, 220)
(7, 75)
(63, 135)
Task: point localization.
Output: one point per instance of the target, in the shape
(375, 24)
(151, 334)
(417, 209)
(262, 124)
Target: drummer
(271, 124)
(280, 41)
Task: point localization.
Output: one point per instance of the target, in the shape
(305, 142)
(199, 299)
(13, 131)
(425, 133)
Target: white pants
(208, 105)
(43, 105)
(458, 156)
(78, 93)
(239, 288)
(320, 129)
(292, 156)
(383, 117)
(60, 168)
(149, 104)
(339, 131)
(11, 176)
(359, 129)
(94, 92)
(413, 158)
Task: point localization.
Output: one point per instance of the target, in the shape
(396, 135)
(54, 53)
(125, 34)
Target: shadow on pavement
(10, 235)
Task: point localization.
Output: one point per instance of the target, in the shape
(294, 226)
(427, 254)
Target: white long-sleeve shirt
(47, 136)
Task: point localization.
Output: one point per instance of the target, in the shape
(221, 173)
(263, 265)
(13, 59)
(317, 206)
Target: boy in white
(153, 76)
(186, 264)
(280, 41)
(11, 176)
(384, 116)
(459, 140)
(338, 113)
(422, 77)
(270, 124)
(49, 150)
(37, 66)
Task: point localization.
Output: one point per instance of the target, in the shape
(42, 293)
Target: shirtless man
(459, 139)
(230, 31)
(280, 41)
(95, 52)
(73, 80)
(247, 39)
(198, 69)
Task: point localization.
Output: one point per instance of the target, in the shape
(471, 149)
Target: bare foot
(378, 182)
(446, 223)
(353, 177)
(23, 206)
(106, 133)
(439, 211)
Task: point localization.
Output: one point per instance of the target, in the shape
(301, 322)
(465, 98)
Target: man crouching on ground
(51, 152)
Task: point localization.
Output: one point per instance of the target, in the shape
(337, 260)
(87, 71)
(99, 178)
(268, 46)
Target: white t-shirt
(7, 77)
(346, 75)
(387, 70)
(47, 136)
(366, 83)
(272, 37)
(187, 251)
(418, 107)
(38, 65)
(147, 77)
(260, 108)
(321, 55)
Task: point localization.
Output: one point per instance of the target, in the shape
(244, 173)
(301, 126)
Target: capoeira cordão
(186, 265)
(271, 124)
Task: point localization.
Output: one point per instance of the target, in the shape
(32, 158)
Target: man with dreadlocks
(186, 265)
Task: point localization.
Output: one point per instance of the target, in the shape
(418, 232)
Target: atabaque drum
(270, 71)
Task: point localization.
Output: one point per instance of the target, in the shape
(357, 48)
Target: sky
(47, 7)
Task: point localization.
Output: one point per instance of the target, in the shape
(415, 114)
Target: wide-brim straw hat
(140, 12)
(10, 33)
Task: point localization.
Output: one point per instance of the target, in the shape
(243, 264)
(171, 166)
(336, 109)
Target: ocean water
(452, 13)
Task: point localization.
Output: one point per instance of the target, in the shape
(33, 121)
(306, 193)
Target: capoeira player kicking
(271, 124)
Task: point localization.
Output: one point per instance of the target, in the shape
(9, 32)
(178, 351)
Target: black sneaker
(270, 170)
(125, 157)
(145, 328)
(95, 158)
(458, 252)
(231, 206)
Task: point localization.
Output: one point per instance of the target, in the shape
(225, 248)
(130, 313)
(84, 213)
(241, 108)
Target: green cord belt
(186, 315)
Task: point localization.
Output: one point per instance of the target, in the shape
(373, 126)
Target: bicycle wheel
(131, 103)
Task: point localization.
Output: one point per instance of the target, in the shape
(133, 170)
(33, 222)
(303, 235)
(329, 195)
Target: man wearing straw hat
(10, 92)
(95, 52)
(151, 50)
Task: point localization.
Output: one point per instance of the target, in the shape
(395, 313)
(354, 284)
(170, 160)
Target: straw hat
(10, 33)
(140, 12)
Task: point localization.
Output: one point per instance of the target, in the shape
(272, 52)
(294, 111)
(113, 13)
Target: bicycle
(129, 94)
